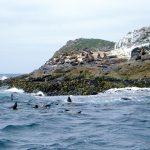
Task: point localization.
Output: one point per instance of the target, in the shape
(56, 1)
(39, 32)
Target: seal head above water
(69, 100)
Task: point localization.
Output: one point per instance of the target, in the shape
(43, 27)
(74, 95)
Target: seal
(14, 107)
(67, 110)
(79, 112)
(47, 106)
(69, 100)
(12, 97)
(125, 98)
(36, 106)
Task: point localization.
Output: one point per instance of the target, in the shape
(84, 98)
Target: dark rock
(135, 52)
(138, 57)
(93, 93)
(145, 57)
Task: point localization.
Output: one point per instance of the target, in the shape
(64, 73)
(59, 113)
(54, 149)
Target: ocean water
(118, 119)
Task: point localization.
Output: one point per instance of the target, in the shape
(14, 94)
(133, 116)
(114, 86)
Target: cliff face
(136, 39)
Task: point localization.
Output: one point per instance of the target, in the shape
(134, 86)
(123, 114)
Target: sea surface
(118, 119)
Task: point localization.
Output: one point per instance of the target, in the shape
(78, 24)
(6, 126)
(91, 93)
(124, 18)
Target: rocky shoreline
(77, 85)
(85, 80)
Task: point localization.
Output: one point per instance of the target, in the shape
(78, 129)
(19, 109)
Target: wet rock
(145, 57)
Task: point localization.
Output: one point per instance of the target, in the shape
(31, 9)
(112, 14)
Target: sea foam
(39, 93)
(15, 90)
(3, 78)
(127, 89)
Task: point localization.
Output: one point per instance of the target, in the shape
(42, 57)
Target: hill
(82, 44)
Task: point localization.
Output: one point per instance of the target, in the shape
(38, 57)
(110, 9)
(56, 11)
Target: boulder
(145, 57)
(135, 52)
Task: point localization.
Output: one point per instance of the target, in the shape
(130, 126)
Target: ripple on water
(5, 144)
(9, 128)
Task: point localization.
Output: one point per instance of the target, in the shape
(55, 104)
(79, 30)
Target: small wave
(127, 89)
(3, 78)
(5, 143)
(38, 147)
(18, 127)
(15, 90)
(39, 93)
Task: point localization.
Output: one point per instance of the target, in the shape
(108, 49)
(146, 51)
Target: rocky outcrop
(142, 53)
(137, 39)
(89, 66)
(66, 62)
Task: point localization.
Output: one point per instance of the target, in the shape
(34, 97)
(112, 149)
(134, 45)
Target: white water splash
(15, 90)
(39, 93)
(3, 78)
(133, 89)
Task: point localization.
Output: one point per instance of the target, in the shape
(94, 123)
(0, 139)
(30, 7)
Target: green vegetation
(84, 44)
(79, 81)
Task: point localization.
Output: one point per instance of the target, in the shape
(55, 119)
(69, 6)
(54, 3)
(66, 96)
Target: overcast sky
(32, 30)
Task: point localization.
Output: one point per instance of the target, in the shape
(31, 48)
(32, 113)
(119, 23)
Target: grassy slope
(80, 44)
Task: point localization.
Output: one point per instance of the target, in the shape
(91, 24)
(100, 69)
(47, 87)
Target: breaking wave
(15, 90)
(3, 78)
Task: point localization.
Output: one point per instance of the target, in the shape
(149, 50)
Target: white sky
(32, 30)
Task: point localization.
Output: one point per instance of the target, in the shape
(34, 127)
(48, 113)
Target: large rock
(145, 57)
(135, 38)
(133, 41)
(140, 53)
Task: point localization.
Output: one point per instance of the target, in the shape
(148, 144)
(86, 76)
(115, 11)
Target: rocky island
(89, 66)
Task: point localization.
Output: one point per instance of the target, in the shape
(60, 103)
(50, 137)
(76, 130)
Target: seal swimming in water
(69, 100)
(47, 106)
(79, 112)
(12, 97)
(125, 98)
(14, 107)
(36, 106)
(67, 110)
